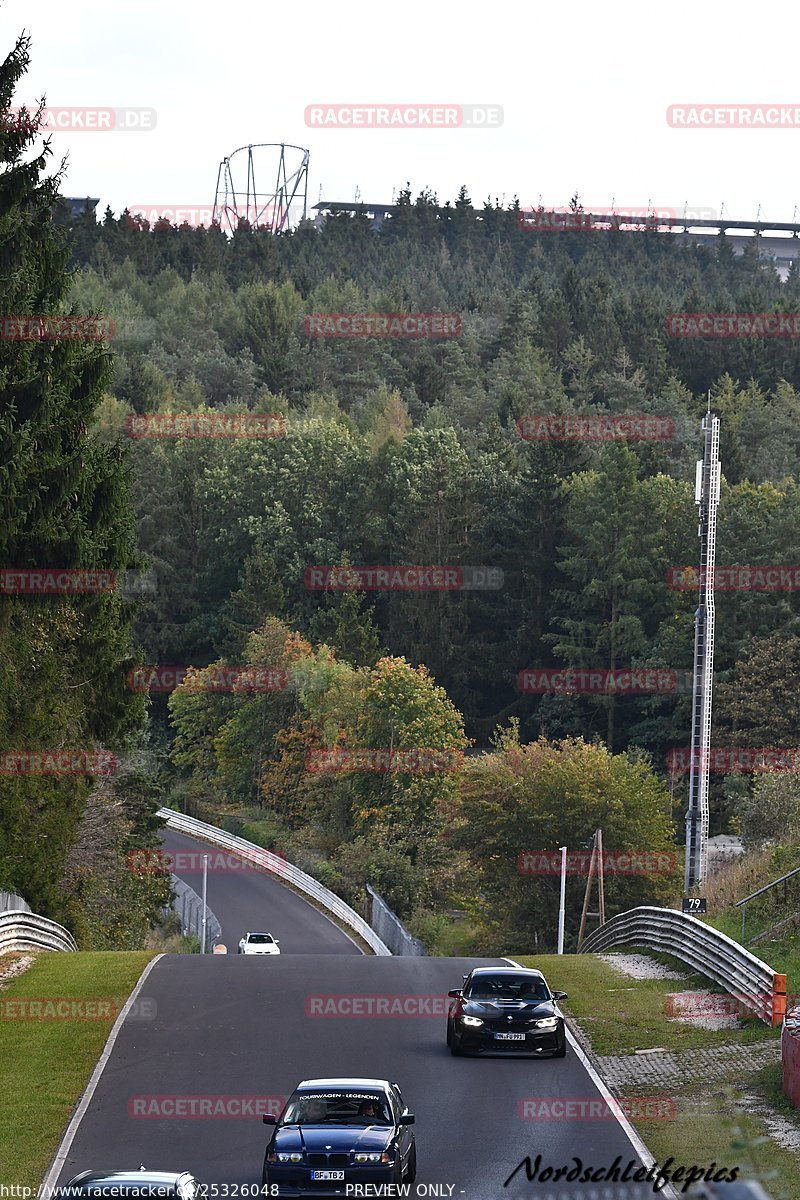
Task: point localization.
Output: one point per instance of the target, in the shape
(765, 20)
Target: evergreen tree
(63, 504)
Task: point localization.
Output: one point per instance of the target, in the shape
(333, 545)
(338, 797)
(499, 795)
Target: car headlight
(472, 1020)
(294, 1157)
(370, 1158)
(547, 1023)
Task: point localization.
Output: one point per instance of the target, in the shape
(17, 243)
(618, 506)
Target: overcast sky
(584, 96)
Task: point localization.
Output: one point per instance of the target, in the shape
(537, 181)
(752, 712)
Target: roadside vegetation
(718, 1109)
(394, 451)
(47, 1063)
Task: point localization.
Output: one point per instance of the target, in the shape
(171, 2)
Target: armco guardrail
(20, 930)
(10, 900)
(275, 865)
(700, 946)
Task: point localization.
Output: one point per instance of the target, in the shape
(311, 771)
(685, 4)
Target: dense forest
(389, 451)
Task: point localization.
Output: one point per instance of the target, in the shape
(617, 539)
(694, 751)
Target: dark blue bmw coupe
(335, 1132)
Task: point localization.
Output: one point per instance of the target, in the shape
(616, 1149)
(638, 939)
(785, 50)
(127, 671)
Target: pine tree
(63, 504)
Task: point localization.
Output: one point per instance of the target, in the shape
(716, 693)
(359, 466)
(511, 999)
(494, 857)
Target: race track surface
(243, 899)
(242, 1027)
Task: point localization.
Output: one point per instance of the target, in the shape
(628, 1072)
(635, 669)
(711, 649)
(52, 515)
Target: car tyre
(562, 1050)
(449, 1034)
(411, 1171)
(455, 1049)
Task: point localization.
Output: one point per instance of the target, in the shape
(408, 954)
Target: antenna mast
(706, 497)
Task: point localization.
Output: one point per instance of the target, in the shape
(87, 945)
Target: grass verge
(46, 1064)
(721, 1110)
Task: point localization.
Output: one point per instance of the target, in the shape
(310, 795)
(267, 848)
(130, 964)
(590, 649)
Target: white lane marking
(612, 1101)
(58, 1162)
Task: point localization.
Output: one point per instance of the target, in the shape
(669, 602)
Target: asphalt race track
(251, 899)
(237, 1026)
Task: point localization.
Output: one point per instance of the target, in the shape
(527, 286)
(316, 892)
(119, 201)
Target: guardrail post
(778, 999)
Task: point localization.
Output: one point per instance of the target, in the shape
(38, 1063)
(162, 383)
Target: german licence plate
(509, 1037)
(327, 1174)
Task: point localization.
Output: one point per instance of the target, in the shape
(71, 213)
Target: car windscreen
(337, 1108)
(507, 987)
(259, 939)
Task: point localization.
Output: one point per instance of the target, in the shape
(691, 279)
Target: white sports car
(259, 943)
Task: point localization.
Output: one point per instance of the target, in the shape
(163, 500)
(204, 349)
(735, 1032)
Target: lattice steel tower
(706, 496)
(237, 195)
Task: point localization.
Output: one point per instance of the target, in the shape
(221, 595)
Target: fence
(702, 947)
(391, 929)
(189, 907)
(275, 865)
(9, 900)
(20, 930)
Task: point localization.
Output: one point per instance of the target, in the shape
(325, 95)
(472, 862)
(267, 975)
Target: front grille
(337, 1160)
(508, 1026)
(327, 1160)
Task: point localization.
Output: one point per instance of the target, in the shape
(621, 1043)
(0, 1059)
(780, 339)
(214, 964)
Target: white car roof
(345, 1083)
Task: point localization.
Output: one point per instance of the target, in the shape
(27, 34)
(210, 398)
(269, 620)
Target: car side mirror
(406, 1119)
(455, 993)
(269, 1119)
(277, 941)
(559, 995)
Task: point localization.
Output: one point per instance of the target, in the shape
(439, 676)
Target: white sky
(584, 94)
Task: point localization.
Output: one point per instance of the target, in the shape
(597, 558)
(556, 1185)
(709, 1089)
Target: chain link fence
(189, 907)
(390, 929)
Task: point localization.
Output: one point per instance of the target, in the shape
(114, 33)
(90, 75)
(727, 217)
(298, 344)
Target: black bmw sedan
(336, 1132)
(506, 1009)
